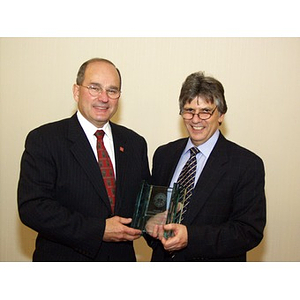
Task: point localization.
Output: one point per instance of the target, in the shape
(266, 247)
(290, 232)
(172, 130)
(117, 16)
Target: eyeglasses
(96, 91)
(188, 114)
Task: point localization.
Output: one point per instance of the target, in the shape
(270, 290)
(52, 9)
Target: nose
(103, 96)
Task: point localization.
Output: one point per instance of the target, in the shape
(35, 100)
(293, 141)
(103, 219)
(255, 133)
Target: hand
(158, 219)
(157, 232)
(117, 231)
(178, 241)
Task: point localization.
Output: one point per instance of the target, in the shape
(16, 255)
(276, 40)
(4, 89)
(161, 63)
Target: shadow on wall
(257, 254)
(26, 238)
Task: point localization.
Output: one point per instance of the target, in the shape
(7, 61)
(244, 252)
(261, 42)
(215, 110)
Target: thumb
(170, 226)
(125, 220)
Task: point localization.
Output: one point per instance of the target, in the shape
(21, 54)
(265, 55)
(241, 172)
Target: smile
(101, 107)
(197, 127)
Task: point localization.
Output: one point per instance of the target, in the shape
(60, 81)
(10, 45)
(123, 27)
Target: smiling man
(225, 210)
(80, 176)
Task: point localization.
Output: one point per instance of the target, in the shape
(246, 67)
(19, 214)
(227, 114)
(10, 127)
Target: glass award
(158, 205)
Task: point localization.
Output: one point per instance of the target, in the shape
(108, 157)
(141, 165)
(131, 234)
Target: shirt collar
(206, 147)
(90, 129)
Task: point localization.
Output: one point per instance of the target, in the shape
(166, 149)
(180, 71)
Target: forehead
(101, 72)
(199, 102)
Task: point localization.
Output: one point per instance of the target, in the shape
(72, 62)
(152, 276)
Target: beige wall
(261, 77)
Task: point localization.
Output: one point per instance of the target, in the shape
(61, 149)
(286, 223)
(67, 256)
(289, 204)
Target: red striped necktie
(106, 169)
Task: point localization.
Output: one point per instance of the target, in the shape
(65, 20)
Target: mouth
(100, 108)
(197, 128)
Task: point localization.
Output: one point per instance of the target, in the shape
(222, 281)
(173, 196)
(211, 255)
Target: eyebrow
(100, 85)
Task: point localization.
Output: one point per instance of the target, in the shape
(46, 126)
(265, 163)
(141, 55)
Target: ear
(221, 119)
(76, 92)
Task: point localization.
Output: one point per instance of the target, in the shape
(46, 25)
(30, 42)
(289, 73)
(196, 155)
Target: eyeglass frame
(101, 89)
(198, 114)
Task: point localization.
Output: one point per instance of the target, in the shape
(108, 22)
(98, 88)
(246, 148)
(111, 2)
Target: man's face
(97, 109)
(201, 130)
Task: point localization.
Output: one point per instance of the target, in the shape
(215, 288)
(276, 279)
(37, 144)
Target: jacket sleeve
(241, 227)
(39, 208)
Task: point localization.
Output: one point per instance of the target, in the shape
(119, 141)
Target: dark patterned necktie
(187, 177)
(106, 168)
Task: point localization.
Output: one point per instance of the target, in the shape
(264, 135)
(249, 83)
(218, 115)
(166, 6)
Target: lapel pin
(121, 149)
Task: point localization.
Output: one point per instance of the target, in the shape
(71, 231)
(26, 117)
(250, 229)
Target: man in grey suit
(62, 193)
(226, 213)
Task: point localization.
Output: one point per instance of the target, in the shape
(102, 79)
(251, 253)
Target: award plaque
(157, 205)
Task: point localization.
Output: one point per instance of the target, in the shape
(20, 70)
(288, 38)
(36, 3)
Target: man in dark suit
(226, 213)
(62, 194)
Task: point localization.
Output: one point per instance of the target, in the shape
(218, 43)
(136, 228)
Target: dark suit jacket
(227, 213)
(61, 193)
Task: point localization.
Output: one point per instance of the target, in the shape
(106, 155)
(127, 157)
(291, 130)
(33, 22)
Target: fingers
(170, 227)
(161, 232)
(157, 231)
(179, 239)
(158, 219)
(116, 230)
(124, 220)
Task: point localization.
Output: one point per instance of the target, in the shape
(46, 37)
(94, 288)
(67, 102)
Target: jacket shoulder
(52, 126)
(235, 151)
(126, 132)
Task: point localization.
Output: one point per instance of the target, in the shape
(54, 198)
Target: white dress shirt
(108, 141)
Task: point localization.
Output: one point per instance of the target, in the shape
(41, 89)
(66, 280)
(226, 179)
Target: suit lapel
(178, 149)
(83, 153)
(211, 175)
(171, 162)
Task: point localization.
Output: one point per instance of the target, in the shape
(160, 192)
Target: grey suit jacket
(227, 213)
(62, 196)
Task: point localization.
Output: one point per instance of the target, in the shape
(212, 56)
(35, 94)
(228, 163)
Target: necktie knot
(194, 151)
(99, 134)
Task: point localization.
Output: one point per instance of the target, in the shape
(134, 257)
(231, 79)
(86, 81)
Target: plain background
(261, 79)
(156, 18)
